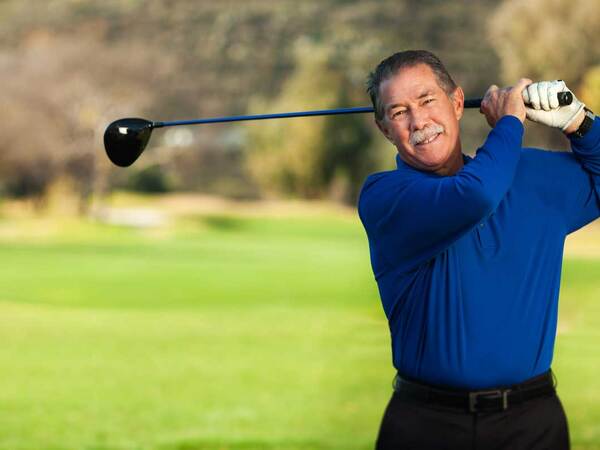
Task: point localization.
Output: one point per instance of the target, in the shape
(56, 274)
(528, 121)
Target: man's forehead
(409, 83)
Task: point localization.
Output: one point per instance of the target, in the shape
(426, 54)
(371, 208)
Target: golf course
(222, 326)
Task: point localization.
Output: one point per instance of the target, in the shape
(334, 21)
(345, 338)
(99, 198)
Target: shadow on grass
(223, 222)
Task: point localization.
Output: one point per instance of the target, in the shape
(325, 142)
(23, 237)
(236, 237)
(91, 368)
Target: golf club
(126, 139)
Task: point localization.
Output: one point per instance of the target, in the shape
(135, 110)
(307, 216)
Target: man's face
(421, 120)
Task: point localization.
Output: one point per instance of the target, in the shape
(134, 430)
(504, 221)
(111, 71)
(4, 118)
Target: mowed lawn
(221, 331)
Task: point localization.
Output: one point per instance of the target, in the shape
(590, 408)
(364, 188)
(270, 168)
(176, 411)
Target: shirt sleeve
(586, 204)
(411, 216)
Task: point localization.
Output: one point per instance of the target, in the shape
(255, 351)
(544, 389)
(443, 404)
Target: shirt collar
(400, 164)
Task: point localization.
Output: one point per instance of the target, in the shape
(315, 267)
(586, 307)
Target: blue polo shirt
(468, 266)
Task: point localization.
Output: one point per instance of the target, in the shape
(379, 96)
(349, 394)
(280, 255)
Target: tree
(60, 93)
(590, 88)
(546, 39)
(75, 66)
(317, 156)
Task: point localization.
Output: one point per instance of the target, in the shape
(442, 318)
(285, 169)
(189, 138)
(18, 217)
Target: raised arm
(579, 179)
(586, 149)
(414, 213)
(411, 216)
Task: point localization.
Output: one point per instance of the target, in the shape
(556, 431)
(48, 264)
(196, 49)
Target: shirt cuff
(511, 124)
(590, 140)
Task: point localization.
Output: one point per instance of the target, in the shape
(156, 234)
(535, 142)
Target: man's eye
(398, 113)
(429, 100)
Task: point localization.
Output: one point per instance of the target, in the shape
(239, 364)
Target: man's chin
(432, 164)
(440, 166)
(432, 156)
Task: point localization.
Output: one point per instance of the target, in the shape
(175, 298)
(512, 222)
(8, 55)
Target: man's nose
(418, 119)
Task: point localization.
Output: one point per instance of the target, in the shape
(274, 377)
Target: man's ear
(458, 102)
(384, 130)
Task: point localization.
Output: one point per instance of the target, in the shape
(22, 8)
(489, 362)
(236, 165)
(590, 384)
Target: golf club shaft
(564, 98)
(322, 112)
(470, 103)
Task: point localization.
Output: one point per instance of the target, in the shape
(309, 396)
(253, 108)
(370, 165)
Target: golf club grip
(564, 99)
(473, 102)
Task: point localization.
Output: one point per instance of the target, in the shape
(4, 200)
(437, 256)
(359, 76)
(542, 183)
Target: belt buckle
(497, 393)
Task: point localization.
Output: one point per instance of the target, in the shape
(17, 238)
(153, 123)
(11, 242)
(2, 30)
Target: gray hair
(409, 58)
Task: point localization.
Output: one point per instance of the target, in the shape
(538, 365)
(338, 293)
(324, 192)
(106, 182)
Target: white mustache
(426, 133)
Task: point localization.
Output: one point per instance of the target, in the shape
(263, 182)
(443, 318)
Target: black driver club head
(126, 139)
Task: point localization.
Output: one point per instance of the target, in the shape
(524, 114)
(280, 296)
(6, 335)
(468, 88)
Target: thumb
(522, 84)
(547, 118)
(533, 114)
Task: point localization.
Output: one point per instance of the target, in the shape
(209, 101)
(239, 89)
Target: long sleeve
(410, 216)
(586, 206)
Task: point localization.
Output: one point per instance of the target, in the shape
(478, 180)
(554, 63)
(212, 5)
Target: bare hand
(498, 103)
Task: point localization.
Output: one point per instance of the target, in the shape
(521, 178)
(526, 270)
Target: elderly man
(467, 255)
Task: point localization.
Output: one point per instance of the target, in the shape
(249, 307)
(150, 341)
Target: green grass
(219, 332)
(576, 357)
(225, 333)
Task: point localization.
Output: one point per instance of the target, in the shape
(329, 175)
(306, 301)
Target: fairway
(221, 330)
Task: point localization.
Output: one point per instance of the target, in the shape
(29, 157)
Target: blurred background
(218, 293)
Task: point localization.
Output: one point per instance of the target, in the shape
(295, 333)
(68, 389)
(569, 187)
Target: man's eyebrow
(395, 105)
(423, 95)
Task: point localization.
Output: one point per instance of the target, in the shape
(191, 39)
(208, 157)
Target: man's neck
(453, 165)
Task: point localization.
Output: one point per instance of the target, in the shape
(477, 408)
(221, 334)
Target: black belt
(476, 401)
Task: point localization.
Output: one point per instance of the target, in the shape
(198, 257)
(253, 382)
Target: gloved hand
(543, 104)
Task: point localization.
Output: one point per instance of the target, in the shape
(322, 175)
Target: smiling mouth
(430, 140)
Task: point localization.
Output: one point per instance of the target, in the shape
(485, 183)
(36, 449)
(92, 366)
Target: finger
(493, 88)
(534, 96)
(543, 94)
(530, 113)
(521, 84)
(531, 92)
(525, 94)
(520, 88)
(553, 91)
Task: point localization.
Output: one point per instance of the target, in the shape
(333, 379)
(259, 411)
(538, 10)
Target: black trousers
(538, 424)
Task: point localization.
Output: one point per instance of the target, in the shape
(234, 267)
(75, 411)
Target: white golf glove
(543, 104)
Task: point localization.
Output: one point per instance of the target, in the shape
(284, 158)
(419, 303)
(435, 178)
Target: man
(467, 255)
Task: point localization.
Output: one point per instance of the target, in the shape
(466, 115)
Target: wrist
(513, 116)
(576, 123)
(519, 115)
(511, 121)
(584, 125)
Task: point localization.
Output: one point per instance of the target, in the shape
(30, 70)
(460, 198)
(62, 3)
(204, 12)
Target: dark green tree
(317, 156)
